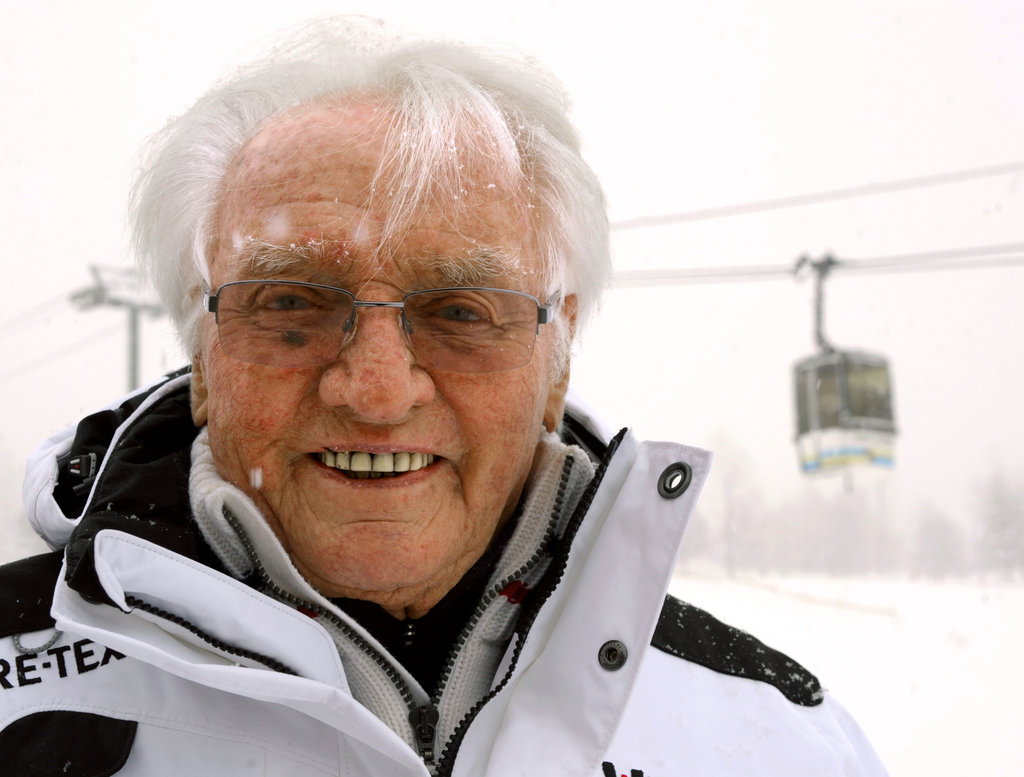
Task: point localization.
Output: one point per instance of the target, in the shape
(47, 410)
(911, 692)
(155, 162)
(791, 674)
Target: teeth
(361, 462)
(383, 462)
(365, 464)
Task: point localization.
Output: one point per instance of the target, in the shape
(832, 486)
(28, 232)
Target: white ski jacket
(152, 660)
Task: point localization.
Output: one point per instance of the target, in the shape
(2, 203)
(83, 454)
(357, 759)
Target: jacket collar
(67, 476)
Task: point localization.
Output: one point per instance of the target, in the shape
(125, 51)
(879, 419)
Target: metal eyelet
(675, 480)
(612, 655)
(28, 651)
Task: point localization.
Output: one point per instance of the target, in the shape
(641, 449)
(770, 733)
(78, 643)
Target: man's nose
(376, 375)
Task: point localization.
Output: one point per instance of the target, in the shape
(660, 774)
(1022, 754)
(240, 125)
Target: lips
(361, 464)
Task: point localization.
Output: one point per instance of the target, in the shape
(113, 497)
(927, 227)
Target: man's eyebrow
(307, 261)
(483, 266)
(269, 260)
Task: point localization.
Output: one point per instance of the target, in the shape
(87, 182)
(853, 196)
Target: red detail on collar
(515, 592)
(307, 612)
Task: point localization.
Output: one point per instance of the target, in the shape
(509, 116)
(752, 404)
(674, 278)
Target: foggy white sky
(682, 107)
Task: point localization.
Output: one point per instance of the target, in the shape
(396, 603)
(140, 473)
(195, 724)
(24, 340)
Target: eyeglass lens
(303, 325)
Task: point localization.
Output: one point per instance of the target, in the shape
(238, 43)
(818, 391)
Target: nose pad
(406, 324)
(350, 323)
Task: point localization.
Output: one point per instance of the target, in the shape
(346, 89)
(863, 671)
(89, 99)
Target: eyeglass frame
(210, 298)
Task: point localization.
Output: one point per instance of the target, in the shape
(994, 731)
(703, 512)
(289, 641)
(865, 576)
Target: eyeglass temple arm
(546, 312)
(210, 302)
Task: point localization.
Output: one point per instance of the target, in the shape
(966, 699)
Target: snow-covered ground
(929, 669)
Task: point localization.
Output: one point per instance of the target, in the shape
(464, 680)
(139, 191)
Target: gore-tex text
(58, 662)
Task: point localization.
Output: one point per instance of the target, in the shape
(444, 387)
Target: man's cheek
(240, 431)
(243, 403)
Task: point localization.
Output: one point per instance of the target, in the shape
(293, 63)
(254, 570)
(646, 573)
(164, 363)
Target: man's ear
(555, 407)
(198, 394)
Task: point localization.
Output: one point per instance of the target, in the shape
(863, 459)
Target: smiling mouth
(362, 465)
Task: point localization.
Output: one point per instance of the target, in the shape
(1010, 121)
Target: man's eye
(460, 313)
(453, 309)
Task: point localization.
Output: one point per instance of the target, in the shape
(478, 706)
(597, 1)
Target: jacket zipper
(224, 647)
(422, 718)
(552, 577)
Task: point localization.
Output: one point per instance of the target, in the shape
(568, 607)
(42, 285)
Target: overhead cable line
(831, 195)
(979, 264)
(943, 254)
(989, 257)
(60, 353)
(701, 274)
(46, 307)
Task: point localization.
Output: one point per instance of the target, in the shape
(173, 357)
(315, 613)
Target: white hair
(452, 108)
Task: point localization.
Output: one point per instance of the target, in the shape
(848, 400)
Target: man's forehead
(303, 199)
(303, 153)
(342, 126)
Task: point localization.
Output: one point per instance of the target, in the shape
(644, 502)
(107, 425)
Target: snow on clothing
(180, 645)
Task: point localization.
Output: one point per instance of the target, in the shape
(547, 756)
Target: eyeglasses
(296, 324)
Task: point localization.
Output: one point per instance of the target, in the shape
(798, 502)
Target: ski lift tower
(121, 287)
(844, 404)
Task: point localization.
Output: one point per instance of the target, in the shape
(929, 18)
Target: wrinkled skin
(401, 542)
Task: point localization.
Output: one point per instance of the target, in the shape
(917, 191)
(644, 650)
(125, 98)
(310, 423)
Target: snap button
(675, 480)
(612, 655)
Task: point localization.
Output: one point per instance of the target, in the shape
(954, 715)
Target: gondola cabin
(844, 411)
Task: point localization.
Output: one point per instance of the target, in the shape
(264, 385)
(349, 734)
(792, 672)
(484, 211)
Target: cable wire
(984, 264)
(16, 322)
(949, 253)
(60, 353)
(925, 261)
(628, 278)
(832, 195)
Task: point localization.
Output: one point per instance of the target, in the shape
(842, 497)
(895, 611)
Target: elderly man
(361, 535)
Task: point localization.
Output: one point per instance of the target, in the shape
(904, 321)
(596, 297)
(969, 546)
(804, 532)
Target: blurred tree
(940, 547)
(1000, 539)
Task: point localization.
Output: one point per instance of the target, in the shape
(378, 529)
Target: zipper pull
(424, 728)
